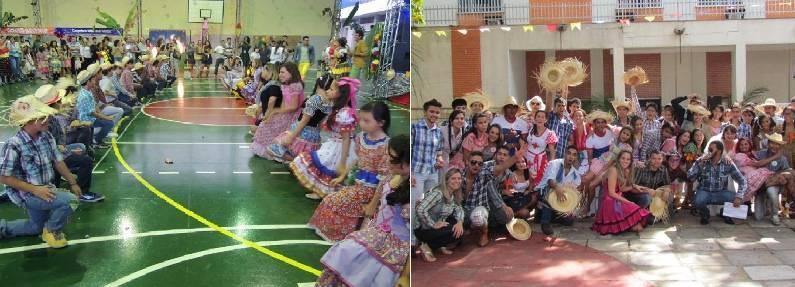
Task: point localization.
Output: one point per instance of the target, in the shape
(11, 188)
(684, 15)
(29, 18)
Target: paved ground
(683, 253)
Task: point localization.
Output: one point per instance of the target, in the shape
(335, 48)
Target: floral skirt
(339, 213)
(308, 141)
(316, 170)
(368, 257)
(268, 131)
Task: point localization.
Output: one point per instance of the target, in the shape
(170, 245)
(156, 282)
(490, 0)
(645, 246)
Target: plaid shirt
(165, 71)
(563, 129)
(426, 144)
(715, 178)
(651, 130)
(116, 81)
(744, 131)
(434, 207)
(485, 188)
(652, 178)
(29, 160)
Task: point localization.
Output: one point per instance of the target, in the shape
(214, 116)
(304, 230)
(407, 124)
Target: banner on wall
(27, 31)
(87, 31)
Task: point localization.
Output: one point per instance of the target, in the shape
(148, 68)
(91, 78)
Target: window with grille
(479, 6)
(629, 4)
(719, 2)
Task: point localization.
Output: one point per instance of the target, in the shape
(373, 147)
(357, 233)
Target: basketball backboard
(213, 10)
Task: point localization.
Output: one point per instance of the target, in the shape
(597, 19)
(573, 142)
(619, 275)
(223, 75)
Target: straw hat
(390, 74)
(635, 76)
(105, 66)
(478, 97)
(519, 229)
(161, 57)
(659, 208)
(597, 114)
(86, 74)
(551, 77)
(570, 204)
(28, 108)
(769, 102)
(123, 62)
(618, 103)
(137, 66)
(776, 138)
(699, 109)
(537, 99)
(49, 94)
(252, 110)
(575, 71)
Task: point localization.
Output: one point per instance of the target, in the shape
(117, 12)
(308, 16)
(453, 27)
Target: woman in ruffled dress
(618, 214)
(340, 213)
(377, 255)
(304, 134)
(278, 120)
(321, 171)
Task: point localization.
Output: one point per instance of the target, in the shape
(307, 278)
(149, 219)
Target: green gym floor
(180, 224)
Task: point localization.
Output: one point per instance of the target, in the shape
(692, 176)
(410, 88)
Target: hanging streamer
(576, 25)
(552, 27)
(528, 28)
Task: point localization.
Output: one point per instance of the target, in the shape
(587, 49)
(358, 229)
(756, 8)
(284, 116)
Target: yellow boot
(54, 240)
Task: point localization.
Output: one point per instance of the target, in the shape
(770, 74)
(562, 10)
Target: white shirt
(85, 51)
(573, 177)
(517, 124)
(597, 142)
(277, 55)
(107, 87)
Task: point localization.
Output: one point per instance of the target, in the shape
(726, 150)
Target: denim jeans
(767, 197)
(703, 198)
(41, 213)
(424, 183)
(104, 127)
(115, 112)
(14, 63)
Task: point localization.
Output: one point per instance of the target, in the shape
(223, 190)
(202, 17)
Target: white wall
(432, 69)
(772, 69)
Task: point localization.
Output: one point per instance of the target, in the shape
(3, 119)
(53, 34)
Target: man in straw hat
(681, 114)
(647, 179)
(140, 78)
(87, 109)
(111, 94)
(772, 110)
(512, 127)
(74, 153)
(482, 183)
(566, 170)
(124, 87)
(776, 162)
(166, 71)
(29, 162)
(711, 172)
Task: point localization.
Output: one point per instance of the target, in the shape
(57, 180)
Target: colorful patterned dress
(249, 91)
(278, 123)
(616, 216)
(754, 176)
(339, 213)
(315, 170)
(537, 152)
(309, 140)
(373, 256)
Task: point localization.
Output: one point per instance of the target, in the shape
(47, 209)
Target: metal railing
(521, 12)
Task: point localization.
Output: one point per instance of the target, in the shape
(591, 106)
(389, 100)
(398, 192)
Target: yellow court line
(205, 221)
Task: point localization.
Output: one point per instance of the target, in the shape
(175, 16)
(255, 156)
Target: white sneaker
(312, 196)
(775, 220)
(112, 135)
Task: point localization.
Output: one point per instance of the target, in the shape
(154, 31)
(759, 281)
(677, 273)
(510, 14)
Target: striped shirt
(744, 131)
(426, 144)
(563, 128)
(118, 86)
(29, 160)
(165, 71)
(127, 81)
(653, 179)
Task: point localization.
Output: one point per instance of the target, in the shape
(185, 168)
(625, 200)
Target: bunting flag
(441, 33)
(484, 29)
(505, 28)
(676, 14)
(528, 28)
(576, 25)
(417, 34)
(552, 27)
(624, 21)
(463, 31)
(650, 18)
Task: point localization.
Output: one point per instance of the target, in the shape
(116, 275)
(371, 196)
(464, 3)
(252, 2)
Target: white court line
(98, 172)
(121, 135)
(167, 172)
(205, 172)
(186, 257)
(280, 172)
(242, 172)
(153, 233)
(244, 147)
(179, 143)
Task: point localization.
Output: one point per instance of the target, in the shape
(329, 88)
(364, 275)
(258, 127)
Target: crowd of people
(480, 172)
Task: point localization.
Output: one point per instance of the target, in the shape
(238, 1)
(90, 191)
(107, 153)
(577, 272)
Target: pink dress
(278, 123)
(537, 152)
(474, 143)
(754, 176)
(616, 216)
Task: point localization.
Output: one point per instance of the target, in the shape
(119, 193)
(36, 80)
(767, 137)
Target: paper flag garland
(463, 31)
(650, 18)
(552, 27)
(441, 33)
(528, 28)
(576, 25)
(417, 34)
(484, 29)
(505, 28)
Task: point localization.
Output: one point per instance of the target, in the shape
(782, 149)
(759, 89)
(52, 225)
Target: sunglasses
(535, 104)
(475, 162)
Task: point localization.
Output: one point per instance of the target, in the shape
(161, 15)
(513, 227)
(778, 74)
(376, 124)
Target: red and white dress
(537, 152)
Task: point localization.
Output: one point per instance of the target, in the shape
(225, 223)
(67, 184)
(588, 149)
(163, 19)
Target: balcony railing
(539, 12)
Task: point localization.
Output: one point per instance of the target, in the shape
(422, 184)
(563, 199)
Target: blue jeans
(104, 128)
(52, 215)
(14, 62)
(703, 198)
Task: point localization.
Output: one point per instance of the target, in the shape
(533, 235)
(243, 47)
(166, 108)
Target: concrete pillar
(618, 73)
(596, 71)
(668, 62)
(739, 72)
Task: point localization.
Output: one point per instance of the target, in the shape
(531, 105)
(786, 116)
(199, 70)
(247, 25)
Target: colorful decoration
(650, 18)
(528, 28)
(576, 25)
(106, 20)
(552, 27)
(9, 18)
